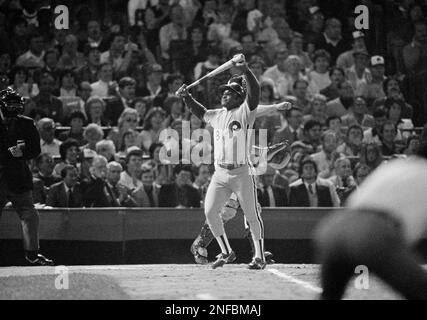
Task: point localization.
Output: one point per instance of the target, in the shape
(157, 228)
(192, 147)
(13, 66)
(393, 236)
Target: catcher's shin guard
(200, 244)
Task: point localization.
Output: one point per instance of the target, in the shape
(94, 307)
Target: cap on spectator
(314, 9)
(358, 34)
(126, 81)
(155, 67)
(133, 148)
(377, 60)
(360, 52)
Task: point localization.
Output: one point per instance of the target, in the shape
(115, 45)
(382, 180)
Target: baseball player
(384, 220)
(228, 212)
(233, 171)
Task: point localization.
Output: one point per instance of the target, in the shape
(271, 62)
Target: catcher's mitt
(278, 155)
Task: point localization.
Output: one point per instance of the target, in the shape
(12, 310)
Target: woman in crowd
(95, 108)
(69, 151)
(141, 105)
(153, 125)
(371, 155)
(127, 120)
(107, 149)
(318, 109)
(129, 139)
(22, 83)
(92, 134)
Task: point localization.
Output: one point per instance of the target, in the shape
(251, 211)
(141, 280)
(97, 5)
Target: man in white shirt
(384, 220)
(175, 30)
(129, 178)
(34, 56)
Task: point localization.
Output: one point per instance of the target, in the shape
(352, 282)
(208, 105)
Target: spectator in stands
(153, 125)
(173, 83)
(130, 178)
(51, 58)
(300, 91)
(278, 71)
(120, 192)
(292, 132)
(391, 89)
(358, 114)
(48, 142)
(412, 146)
(415, 53)
(92, 134)
(371, 155)
(312, 135)
(353, 143)
(212, 62)
(343, 180)
(334, 123)
(326, 157)
(69, 151)
(147, 194)
(68, 192)
(374, 88)
(267, 92)
(393, 108)
(141, 105)
(198, 45)
(319, 77)
(129, 139)
(22, 83)
(68, 95)
(309, 191)
(175, 30)
(71, 58)
(332, 40)
(174, 107)
(359, 75)
(296, 47)
(268, 194)
(293, 67)
(96, 191)
(220, 30)
(128, 120)
(313, 30)
(95, 107)
(46, 101)
(95, 38)
(337, 76)
(154, 81)
(119, 54)
(317, 109)
(45, 165)
(387, 136)
(346, 59)
(101, 88)
(339, 106)
(181, 193)
(84, 91)
(76, 122)
(107, 149)
(33, 58)
(372, 135)
(360, 172)
(89, 72)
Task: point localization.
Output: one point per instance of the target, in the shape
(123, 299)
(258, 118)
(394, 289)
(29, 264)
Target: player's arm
(195, 107)
(265, 110)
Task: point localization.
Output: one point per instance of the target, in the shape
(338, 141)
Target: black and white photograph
(218, 157)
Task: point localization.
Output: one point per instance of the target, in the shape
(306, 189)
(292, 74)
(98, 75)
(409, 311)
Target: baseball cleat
(200, 254)
(40, 260)
(268, 257)
(223, 258)
(257, 264)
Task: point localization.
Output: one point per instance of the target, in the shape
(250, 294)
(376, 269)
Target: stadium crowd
(103, 91)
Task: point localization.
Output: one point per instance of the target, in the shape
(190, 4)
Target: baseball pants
(223, 183)
(23, 204)
(372, 239)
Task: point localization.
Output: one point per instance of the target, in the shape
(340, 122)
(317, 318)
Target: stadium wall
(147, 235)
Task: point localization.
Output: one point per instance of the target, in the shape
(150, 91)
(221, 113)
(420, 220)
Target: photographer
(19, 142)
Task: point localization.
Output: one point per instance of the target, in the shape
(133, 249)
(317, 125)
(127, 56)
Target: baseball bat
(225, 66)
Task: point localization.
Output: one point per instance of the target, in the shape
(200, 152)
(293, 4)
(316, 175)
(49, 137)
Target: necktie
(70, 199)
(310, 188)
(149, 192)
(295, 135)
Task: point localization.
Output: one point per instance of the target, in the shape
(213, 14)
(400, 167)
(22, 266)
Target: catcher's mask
(11, 103)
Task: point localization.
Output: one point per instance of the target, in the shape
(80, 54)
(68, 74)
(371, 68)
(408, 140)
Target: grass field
(176, 282)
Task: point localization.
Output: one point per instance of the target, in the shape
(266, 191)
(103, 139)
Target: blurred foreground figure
(384, 220)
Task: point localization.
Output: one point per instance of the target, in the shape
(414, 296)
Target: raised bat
(224, 67)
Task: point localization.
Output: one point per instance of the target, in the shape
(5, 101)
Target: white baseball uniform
(233, 171)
